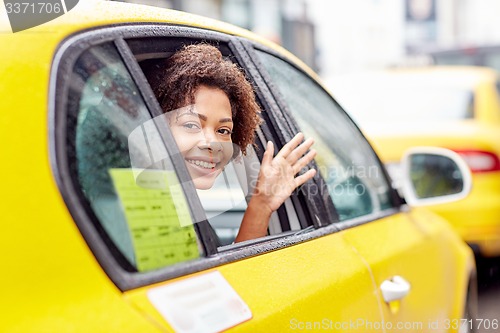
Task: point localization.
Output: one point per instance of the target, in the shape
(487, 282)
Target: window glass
(225, 203)
(350, 168)
(123, 168)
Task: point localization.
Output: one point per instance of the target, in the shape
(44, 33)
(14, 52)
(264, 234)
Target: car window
(355, 180)
(130, 193)
(124, 181)
(123, 169)
(226, 201)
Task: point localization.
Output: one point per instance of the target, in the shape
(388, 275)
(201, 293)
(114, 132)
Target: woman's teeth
(206, 165)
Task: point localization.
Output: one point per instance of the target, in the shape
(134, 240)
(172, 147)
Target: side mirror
(434, 175)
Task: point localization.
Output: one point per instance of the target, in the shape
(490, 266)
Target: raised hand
(276, 181)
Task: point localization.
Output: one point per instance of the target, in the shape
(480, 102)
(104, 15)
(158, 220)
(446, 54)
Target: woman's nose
(210, 141)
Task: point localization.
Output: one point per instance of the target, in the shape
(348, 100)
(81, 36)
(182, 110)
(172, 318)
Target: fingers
(299, 180)
(293, 152)
(305, 160)
(291, 145)
(299, 151)
(268, 154)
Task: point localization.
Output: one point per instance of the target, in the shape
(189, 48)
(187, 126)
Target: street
(489, 294)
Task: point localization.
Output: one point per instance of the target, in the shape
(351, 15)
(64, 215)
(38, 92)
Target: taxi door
(419, 266)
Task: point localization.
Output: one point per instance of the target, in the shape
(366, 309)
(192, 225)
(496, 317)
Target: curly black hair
(177, 79)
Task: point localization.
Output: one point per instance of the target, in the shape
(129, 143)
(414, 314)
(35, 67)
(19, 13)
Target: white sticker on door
(202, 304)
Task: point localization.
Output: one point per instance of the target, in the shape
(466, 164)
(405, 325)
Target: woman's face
(203, 134)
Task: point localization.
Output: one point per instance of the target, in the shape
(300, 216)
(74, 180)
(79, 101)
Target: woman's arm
(275, 184)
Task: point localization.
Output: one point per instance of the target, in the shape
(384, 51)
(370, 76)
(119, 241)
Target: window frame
(125, 278)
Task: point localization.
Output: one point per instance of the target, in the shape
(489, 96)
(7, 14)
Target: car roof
(94, 13)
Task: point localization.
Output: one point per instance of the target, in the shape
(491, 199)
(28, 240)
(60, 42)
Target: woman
(210, 106)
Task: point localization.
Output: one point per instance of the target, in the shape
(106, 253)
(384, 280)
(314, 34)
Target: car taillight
(480, 161)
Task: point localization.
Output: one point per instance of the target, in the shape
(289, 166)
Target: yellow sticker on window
(157, 216)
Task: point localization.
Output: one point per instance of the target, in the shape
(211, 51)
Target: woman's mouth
(203, 164)
(203, 172)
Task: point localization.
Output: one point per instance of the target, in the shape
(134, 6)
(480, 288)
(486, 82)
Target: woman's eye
(225, 131)
(191, 126)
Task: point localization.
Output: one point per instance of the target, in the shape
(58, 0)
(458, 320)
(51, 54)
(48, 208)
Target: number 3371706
(33, 8)
(471, 323)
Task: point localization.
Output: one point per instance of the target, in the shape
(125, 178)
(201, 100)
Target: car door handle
(395, 288)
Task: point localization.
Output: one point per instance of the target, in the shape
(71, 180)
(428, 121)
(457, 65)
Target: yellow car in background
(103, 230)
(456, 107)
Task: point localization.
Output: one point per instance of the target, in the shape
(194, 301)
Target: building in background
(360, 35)
(286, 22)
(420, 24)
(343, 36)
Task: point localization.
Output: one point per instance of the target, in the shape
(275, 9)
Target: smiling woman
(203, 134)
(212, 113)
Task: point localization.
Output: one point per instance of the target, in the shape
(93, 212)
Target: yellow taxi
(93, 243)
(456, 107)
